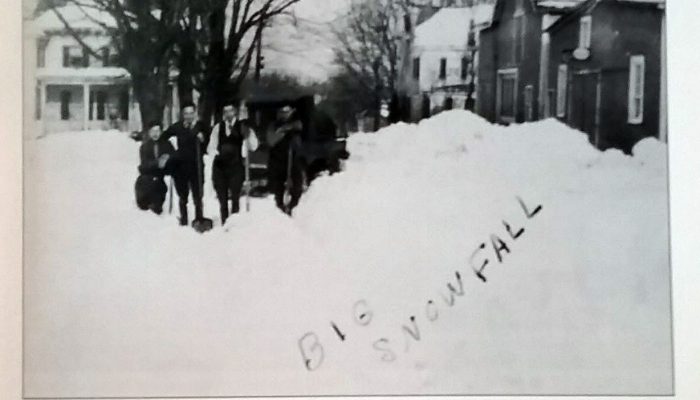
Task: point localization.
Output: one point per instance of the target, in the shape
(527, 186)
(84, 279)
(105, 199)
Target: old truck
(322, 150)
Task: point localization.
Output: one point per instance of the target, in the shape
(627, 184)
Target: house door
(584, 106)
(507, 96)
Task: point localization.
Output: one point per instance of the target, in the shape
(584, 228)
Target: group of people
(180, 150)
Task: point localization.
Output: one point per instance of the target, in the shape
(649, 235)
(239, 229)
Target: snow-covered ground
(121, 302)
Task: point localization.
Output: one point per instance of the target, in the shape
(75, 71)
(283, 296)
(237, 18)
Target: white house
(439, 64)
(73, 89)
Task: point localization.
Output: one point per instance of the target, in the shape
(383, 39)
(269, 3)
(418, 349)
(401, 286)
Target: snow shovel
(202, 224)
(247, 180)
(287, 199)
(170, 197)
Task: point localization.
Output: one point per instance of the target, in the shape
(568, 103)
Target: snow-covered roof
(449, 27)
(567, 4)
(79, 18)
(82, 74)
(559, 4)
(645, 1)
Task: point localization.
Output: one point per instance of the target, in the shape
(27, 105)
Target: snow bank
(354, 287)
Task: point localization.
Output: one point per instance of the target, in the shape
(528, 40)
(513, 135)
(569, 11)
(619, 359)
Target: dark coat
(278, 161)
(149, 188)
(323, 126)
(150, 152)
(187, 141)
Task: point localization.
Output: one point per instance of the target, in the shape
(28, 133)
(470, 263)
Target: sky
(305, 48)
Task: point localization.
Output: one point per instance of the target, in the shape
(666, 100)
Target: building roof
(558, 4)
(449, 27)
(79, 18)
(82, 75)
(542, 6)
(587, 5)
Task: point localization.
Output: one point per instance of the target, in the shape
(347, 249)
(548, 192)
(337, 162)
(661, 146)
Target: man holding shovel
(192, 137)
(232, 140)
(284, 170)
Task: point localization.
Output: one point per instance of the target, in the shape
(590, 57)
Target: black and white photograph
(267, 198)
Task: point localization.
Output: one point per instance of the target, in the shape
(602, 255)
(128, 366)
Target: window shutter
(66, 56)
(86, 58)
(416, 68)
(106, 61)
(65, 105)
(635, 109)
(585, 28)
(562, 82)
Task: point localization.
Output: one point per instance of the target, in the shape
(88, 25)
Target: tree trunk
(187, 66)
(377, 107)
(215, 79)
(150, 90)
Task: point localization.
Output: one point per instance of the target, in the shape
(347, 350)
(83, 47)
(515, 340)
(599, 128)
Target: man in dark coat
(230, 143)
(284, 169)
(192, 137)
(156, 155)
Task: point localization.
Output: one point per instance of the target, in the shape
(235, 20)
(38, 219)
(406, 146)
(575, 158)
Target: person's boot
(157, 209)
(235, 207)
(224, 212)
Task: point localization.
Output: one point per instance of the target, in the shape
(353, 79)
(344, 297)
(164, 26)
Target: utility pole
(472, 49)
(259, 57)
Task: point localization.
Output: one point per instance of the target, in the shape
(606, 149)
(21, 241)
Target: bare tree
(211, 42)
(218, 47)
(367, 48)
(143, 33)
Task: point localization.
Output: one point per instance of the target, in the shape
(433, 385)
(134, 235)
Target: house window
(101, 103)
(407, 23)
(528, 95)
(41, 52)
(506, 99)
(465, 69)
(449, 104)
(551, 103)
(443, 69)
(518, 38)
(106, 57)
(38, 98)
(562, 82)
(635, 109)
(65, 105)
(584, 35)
(75, 57)
(91, 111)
(124, 104)
(425, 106)
(416, 68)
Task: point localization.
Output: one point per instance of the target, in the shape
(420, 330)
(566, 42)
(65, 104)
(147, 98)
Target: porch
(71, 101)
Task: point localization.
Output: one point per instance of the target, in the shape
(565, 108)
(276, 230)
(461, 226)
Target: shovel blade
(203, 225)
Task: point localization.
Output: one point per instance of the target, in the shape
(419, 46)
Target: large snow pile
(355, 287)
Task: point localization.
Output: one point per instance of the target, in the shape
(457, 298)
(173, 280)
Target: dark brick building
(512, 86)
(606, 71)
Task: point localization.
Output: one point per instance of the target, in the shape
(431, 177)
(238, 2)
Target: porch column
(86, 106)
(135, 112)
(542, 96)
(42, 108)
